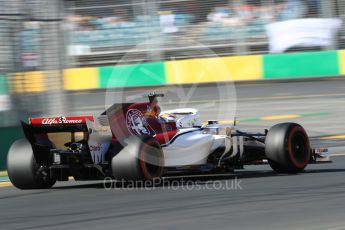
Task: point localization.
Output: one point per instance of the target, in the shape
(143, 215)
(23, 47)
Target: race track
(264, 200)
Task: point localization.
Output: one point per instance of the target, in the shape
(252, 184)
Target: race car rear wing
(54, 125)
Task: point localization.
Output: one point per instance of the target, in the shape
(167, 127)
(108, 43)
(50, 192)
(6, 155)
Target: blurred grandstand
(100, 32)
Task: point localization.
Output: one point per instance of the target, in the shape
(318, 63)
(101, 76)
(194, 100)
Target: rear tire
(141, 159)
(22, 167)
(287, 148)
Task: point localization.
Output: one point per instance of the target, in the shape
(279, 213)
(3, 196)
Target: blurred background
(55, 52)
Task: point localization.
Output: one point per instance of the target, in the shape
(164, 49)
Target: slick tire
(22, 167)
(287, 148)
(141, 159)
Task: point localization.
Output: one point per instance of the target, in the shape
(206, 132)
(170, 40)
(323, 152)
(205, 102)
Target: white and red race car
(136, 141)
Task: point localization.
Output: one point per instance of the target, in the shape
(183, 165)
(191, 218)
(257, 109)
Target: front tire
(287, 148)
(141, 159)
(22, 167)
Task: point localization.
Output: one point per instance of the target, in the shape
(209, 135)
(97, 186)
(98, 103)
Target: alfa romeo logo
(137, 124)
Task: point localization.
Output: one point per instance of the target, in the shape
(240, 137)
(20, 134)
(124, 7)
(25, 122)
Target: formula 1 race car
(136, 141)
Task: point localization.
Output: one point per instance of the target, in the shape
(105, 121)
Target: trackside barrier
(217, 69)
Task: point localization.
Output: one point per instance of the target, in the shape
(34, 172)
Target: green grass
(3, 173)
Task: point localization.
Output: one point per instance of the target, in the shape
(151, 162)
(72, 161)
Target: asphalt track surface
(314, 199)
